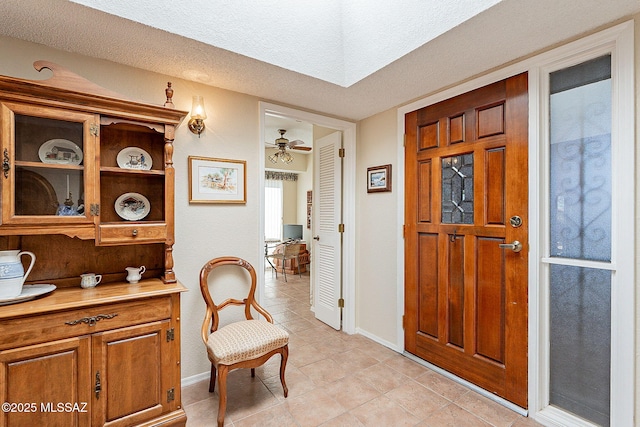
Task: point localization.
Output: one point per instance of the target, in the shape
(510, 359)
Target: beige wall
(377, 227)
(290, 202)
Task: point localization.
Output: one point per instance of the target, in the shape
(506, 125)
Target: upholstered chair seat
(248, 339)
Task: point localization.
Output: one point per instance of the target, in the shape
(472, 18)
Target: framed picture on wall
(217, 180)
(379, 179)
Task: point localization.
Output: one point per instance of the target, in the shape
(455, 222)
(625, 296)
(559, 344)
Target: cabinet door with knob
(48, 381)
(130, 384)
(47, 162)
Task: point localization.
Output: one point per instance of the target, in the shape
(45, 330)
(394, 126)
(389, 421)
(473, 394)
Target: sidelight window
(580, 228)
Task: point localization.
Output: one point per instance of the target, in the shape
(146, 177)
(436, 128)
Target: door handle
(316, 238)
(516, 246)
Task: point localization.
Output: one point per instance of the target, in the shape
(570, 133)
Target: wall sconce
(196, 123)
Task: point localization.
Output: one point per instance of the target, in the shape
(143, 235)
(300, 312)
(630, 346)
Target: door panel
(41, 377)
(465, 296)
(129, 363)
(327, 216)
(428, 291)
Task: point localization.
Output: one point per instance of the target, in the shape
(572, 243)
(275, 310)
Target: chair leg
(212, 379)
(222, 392)
(283, 366)
(284, 269)
(298, 264)
(253, 372)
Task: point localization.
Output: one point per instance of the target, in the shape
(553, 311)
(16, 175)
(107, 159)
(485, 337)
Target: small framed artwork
(379, 179)
(217, 180)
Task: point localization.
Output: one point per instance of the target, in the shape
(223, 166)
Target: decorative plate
(60, 151)
(29, 292)
(132, 206)
(134, 158)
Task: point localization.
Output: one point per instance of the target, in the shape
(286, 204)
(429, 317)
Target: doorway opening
(347, 260)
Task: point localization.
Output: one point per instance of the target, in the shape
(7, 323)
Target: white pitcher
(90, 280)
(134, 274)
(12, 275)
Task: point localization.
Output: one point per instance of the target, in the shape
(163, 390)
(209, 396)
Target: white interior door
(327, 214)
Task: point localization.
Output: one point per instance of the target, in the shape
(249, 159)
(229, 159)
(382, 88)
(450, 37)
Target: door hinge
(94, 129)
(94, 209)
(404, 322)
(170, 335)
(341, 152)
(171, 395)
(340, 228)
(404, 143)
(341, 303)
(5, 163)
(404, 231)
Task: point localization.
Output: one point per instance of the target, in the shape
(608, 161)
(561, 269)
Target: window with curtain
(274, 201)
(273, 209)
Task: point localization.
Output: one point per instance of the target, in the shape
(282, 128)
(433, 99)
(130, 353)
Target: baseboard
(379, 340)
(195, 379)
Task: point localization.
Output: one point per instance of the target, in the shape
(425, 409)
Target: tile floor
(336, 379)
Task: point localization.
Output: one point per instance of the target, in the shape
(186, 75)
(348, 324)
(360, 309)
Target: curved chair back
(212, 316)
(291, 250)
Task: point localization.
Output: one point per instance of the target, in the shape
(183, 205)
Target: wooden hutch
(108, 355)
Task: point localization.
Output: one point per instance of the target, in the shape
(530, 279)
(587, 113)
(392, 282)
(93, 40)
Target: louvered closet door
(326, 218)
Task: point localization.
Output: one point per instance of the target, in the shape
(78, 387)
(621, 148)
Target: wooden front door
(466, 194)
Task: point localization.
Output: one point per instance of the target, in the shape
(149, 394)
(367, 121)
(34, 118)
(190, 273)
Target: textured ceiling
(506, 31)
(337, 41)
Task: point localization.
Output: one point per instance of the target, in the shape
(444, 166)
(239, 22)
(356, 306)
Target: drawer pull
(91, 321)
(135, 232)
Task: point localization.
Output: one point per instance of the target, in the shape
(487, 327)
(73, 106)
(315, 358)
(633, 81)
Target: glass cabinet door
(47, 165)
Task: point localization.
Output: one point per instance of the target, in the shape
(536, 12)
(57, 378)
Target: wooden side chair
(243, 344)
(284, 253)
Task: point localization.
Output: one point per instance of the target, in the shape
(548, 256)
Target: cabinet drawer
(118, 234)
(71, 323)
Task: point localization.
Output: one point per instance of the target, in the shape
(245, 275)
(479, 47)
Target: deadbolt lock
(515, 221)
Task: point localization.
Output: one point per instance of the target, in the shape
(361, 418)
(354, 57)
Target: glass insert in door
(457, 189)
(49, 167)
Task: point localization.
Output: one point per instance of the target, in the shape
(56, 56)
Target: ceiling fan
(283, 144)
